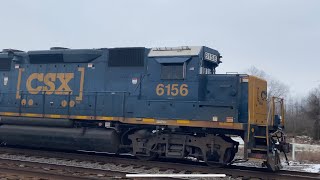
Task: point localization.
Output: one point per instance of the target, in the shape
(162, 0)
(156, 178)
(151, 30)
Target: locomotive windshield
(207, 68)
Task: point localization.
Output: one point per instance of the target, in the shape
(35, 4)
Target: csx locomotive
(151, 102)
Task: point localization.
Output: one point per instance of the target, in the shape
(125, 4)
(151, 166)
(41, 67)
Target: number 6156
(172, 89)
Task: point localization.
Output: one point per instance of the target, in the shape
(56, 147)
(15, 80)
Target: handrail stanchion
(43, 104)
(20, 103)
(282, 113)
(273, 110)
(68, 105)
(95, 104)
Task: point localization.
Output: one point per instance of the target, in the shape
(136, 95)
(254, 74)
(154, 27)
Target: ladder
(258, 134)
(259, 143)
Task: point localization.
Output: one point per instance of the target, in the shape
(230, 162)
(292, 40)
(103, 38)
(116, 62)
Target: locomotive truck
(150, 102)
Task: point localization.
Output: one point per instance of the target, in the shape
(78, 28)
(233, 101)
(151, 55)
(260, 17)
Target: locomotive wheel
(214, 164)
(233, 155)
(212, 160)
(151, 157)
(228, 156)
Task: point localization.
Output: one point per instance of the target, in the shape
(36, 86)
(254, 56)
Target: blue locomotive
(151, 102)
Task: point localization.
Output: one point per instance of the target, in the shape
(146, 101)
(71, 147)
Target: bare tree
(313, 111)
(257, 72)
(275, 87)
(297, 122)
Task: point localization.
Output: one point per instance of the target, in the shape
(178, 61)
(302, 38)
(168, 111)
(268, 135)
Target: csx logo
(49, 83)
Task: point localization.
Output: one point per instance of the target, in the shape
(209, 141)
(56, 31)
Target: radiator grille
(45, 58)
(5, 64)
(130, 57)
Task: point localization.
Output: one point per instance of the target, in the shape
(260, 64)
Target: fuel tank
(46, 122)
(102, 140)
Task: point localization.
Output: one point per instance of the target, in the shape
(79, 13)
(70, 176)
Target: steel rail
(165, 165)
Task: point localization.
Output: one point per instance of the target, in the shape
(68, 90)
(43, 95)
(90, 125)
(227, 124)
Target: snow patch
(306, 147)
(313, 169)
(238, 139)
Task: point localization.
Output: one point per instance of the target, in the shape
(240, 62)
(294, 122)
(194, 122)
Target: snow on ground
(313, 168)
(306, 156)
(306, 147)
(302, 143)
(293, 166)
(296, 166)
(304, 140)
(238, 139)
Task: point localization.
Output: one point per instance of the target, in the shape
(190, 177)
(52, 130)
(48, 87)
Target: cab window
(207, 68)
(172, 71)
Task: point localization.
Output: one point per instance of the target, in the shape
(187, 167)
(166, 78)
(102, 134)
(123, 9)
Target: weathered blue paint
(128, 91)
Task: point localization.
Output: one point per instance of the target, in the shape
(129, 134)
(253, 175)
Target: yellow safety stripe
(150, 121)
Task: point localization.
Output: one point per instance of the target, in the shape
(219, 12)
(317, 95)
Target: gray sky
(280, 37)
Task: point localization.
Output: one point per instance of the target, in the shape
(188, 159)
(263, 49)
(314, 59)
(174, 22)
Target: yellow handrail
(273, 109)
(282, 113)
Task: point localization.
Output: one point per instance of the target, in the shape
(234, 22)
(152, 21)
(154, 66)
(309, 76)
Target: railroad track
(101, 166)
(37, 164)
(15, 169)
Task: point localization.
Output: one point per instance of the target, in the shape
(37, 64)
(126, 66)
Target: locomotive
(150, 102)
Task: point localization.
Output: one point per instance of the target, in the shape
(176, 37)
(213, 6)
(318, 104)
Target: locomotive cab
(210, 60)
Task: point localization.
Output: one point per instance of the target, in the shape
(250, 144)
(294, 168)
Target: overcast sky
(280, 37)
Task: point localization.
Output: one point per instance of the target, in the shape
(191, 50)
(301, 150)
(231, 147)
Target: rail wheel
(214, 164)
(228, 156)
(212, 159)
(150, 157)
